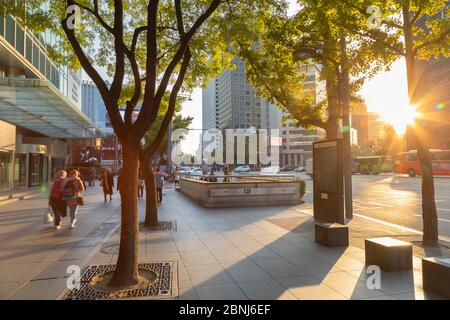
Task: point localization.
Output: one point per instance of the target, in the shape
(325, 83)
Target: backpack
(56, 191)
(68, 192)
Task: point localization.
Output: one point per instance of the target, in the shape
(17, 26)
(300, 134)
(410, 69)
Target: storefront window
(35, 169)
(20, 173)
(5, 163)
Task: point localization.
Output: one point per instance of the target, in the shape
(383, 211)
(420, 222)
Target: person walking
(227, 173)
(72, 189)
(159, 177)
(141, 184)
(107, 182)
(58, 205)
(177, 179)
(92, 176)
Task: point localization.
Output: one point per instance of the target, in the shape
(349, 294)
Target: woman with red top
(59, 206)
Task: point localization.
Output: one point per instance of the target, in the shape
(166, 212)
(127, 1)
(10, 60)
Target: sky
(383, 93)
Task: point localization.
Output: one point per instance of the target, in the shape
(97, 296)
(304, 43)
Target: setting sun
(400, 116)
(387, 95)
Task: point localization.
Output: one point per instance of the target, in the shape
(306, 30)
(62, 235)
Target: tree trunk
(332, 123)
(126, 272)
(151, 204)
(429, 213)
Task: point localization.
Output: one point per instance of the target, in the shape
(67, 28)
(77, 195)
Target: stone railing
(242, 192)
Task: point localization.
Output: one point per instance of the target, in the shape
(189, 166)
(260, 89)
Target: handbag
(80, 201)
(101, 183)
(49, 216)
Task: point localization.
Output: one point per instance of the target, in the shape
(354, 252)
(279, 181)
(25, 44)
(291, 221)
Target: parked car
(286, 169)
(270, 170)
(242, 169)
(300, 169)
(196, 171)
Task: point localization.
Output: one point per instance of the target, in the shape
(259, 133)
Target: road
(397, 199)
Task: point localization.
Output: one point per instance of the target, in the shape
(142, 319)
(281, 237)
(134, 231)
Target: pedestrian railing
(234, 178)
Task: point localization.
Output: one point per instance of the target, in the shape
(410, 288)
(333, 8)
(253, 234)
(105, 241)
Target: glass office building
(40, 107)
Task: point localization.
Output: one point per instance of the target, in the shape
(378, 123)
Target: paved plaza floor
(233, 253)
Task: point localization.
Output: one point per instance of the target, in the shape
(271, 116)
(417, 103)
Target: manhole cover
(110, 248)
(162, 226)
(162, 287)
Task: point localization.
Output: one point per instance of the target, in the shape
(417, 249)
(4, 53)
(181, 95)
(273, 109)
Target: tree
(344, 63)
(390, 142)
(146, 155)
(142, 45)
(415, 30)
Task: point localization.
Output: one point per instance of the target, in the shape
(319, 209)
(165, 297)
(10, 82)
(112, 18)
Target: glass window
(42, 63)
(10, 29)
(20, 170)
(35, 169)
(2, 25)
(20, 46)
(35, 56)
(29, 50)
(411, 157)
(48, 70)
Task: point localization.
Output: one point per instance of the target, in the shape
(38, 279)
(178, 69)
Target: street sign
(328, 181)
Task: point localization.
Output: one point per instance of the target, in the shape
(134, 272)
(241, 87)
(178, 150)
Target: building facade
(40, 108)
(231, 102)
(92, 104)
(432, 97)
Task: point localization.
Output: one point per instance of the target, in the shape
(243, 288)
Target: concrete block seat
(436, 275)
(389, 254)
(331, 234)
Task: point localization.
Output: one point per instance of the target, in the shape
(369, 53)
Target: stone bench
(389, 254)
(331, 234)
(436, 275)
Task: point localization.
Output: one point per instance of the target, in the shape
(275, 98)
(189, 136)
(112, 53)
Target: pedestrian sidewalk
(231, 253)
(34, 257)
(266, 253)
(9, 197)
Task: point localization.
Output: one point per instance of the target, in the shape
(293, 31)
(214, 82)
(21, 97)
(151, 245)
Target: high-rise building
(40, 107)
(231, 102)
(210, 105)
(297, 141)
(375, 128)
(432, 97)
(92, 104)
(359, 121)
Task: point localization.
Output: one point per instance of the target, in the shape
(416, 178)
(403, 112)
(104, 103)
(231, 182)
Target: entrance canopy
(37, 105)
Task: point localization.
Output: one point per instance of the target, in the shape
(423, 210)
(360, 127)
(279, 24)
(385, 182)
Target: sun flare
(400, 116)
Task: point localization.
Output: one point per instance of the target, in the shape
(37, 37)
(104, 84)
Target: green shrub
(302, 187)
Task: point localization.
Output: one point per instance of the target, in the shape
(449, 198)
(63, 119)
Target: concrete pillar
(11, 173)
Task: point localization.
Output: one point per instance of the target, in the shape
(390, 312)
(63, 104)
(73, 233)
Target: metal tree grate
(162, 226)
(162, 287)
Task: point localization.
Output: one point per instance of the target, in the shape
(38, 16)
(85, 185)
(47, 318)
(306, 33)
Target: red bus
(408, 162)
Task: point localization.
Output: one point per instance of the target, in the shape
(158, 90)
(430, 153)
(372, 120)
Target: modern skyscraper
(92, 104)
(432, 97)
(231, 102)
